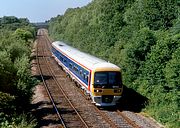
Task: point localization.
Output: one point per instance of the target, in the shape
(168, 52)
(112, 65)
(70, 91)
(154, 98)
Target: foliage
(141, 36)
(13, 23)
(23, 34)
(24, 82)
(157, 14)
(17, 50)
(16, 36)
(172, 70)
(6, 71)
(20, 121)
(6, 102)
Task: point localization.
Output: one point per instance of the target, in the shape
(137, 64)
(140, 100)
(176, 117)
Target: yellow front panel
(100, 91)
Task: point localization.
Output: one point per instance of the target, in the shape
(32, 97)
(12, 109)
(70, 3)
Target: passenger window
(84, 76)
(61, 58)
(80, 72)
(87, 77)
(75, 69)
(70, 65)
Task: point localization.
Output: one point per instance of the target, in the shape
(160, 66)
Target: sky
(38, 10)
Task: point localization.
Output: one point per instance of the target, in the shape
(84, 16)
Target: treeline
(141, 36)
(16, 83)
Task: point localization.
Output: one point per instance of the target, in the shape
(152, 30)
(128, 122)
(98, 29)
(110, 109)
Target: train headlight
(96, 90)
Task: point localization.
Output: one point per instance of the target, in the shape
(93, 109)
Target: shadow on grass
(132, 101)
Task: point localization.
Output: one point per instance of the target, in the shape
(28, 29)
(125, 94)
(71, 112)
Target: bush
(6, 72)
(19, 121)
(25, 82)
(16, 82)
(6, 103)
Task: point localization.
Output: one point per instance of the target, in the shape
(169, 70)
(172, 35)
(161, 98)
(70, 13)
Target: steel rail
(62, 90)
(129, 121)
(47, 89)
(107, 119)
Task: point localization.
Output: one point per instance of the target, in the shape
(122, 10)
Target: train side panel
(101, 94)
(75, 70)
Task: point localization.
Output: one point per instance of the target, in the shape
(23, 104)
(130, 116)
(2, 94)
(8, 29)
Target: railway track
(73, 107)
(55, 92)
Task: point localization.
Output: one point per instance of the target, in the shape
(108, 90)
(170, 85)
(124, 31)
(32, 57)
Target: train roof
(87, 60)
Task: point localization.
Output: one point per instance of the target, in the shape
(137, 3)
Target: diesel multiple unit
(99, 79)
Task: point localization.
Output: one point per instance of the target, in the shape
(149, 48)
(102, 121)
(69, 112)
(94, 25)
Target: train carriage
(100, 79)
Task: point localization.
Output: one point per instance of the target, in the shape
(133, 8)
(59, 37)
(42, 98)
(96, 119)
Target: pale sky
(38, 10)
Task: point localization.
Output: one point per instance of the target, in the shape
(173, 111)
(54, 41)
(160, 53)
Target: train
(99, 79)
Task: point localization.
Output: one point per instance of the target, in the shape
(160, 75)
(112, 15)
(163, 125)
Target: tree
(140, 36)
(23, 34)
(6, 72)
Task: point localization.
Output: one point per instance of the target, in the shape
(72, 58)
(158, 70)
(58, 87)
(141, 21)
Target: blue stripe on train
(76, 69)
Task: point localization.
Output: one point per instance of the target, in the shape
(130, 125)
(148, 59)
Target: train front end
(106, 87)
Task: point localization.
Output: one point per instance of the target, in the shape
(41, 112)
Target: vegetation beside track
(140, 36)
(16, 83)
